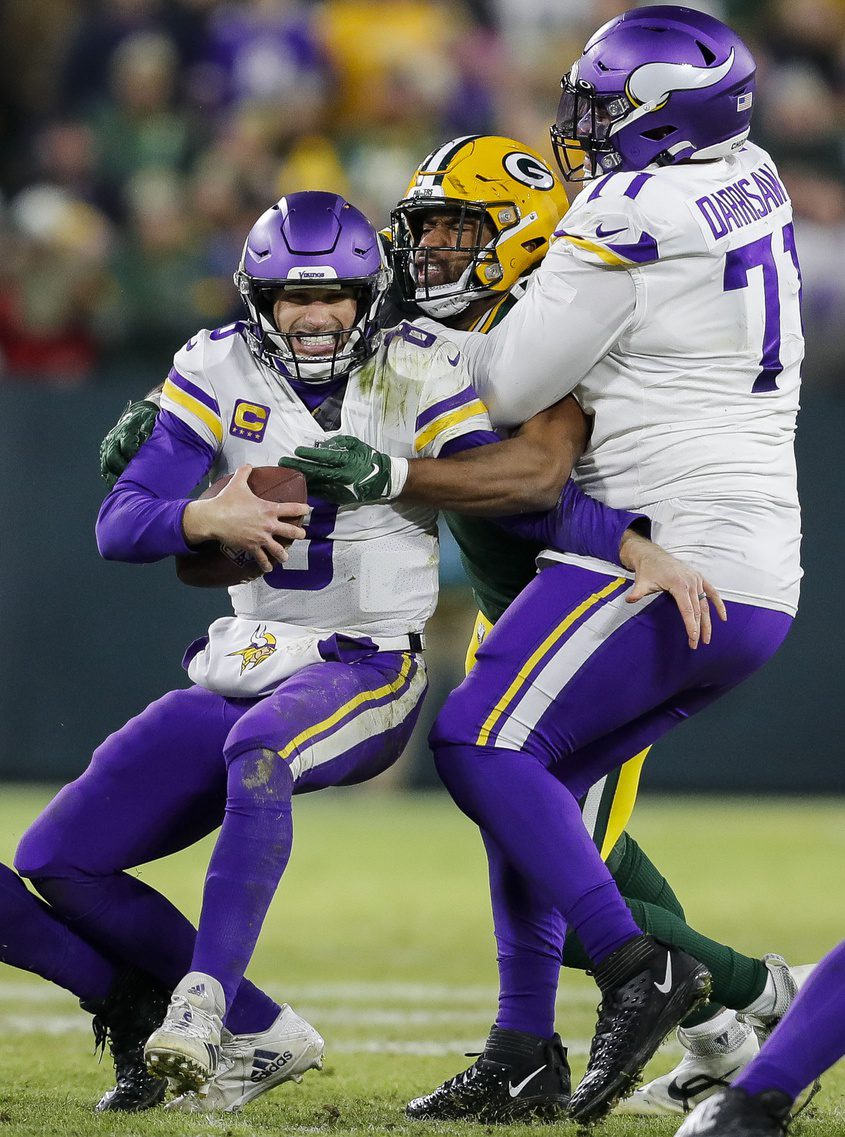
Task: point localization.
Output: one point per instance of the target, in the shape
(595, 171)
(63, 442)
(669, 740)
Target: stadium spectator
(272, 95)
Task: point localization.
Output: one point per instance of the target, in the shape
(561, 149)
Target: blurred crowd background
(141, 138)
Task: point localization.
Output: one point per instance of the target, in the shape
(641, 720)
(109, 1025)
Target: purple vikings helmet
(312, 240)
(658, 84)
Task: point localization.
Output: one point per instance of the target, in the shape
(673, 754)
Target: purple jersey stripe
(444, 406)
(637, 184)
(193, 390)
(643, 252)
(543, 660)
(361, 708)
(467, 442)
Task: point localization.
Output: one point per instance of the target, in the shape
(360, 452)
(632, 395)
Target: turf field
(381, 937)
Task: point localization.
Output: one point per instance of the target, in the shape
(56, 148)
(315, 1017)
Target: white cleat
(779, 994)
(784, 984)
(186, 1047)
(252, 1064)
(716, 1052)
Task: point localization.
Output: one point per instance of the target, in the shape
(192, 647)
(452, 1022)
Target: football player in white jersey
(472, 226)
(669, 305)
(317, 677)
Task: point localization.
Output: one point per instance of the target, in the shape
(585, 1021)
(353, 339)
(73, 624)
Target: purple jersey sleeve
(141, 519)
(579, 524)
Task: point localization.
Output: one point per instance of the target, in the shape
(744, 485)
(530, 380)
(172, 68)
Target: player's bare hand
(658, 571)
(238, 518)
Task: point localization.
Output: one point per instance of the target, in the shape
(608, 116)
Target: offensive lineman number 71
(759, 254)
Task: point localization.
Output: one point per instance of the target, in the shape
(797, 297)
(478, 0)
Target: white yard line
(421, 1048)
(477, 997)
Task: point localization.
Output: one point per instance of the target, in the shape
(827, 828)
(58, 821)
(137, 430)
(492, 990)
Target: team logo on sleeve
(261, 646)
(249, 420)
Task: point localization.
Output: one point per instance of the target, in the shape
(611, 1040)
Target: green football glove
(126, 438)
(346, 470)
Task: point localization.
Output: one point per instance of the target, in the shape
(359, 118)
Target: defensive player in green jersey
(476, 220)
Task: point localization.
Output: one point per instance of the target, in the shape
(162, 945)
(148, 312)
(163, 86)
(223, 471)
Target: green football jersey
(498, 565)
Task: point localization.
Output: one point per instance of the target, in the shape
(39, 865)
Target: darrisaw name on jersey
(739, 203)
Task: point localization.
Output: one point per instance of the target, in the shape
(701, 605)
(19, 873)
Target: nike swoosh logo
(603, 233)
(689, 1092)
(663, 987)
(371, 474)
(454, 361)
(515, 1090)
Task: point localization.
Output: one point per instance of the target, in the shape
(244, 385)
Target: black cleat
(734, 1113)
(647, 989)
(133, 1009)
(532, 1081)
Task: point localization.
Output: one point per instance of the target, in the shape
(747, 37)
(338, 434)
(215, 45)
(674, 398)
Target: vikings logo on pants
(261, 647)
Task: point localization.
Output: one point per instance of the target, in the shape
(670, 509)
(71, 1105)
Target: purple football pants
(569, 684)
(33, 938)
(809, 1039)
(169, 777)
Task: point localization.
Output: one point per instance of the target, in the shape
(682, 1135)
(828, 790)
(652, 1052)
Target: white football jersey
(364, 569)
(686, 350)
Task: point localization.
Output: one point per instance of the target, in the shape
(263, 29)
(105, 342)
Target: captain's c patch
(249, 420)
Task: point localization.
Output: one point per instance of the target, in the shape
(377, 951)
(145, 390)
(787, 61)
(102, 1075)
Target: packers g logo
(249, 420)
(528, 170)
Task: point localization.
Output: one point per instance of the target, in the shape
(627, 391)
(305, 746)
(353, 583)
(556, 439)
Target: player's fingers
(262, 560)
(288, 532)
(321, 456)
(638, 590)
(683, 599)
(706, 622)
(286, 510)
(715, 599)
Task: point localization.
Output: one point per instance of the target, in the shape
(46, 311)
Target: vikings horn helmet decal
(312, 240)
(654, 82)
(657, 85)
(506, 202)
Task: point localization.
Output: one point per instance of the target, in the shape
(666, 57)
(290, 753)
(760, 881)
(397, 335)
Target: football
(217, 566)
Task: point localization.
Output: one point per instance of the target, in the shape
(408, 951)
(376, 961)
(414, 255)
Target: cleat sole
(182, 1072)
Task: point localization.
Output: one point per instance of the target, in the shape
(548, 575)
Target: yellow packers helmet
(507, 203)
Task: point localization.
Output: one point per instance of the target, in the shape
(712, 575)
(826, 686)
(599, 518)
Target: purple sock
(246, 866)
(529, 942)
(809, 1039)
(33, 938)
(536, 822)
(603, 921)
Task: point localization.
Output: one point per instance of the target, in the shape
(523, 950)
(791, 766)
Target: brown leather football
(212, 565)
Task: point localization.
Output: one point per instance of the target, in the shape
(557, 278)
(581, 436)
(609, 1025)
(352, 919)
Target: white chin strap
(434, 303)
(308, 368)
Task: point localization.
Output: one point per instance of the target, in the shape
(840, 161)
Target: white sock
(764, 1004)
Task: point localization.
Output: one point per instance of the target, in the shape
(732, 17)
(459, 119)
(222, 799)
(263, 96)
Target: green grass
(381, 936)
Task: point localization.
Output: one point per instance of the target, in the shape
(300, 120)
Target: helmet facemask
(585, 124)
(414, 262)
(349, 346)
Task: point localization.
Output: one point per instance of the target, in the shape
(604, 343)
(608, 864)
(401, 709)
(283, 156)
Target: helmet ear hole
(707, 55)
(659, 133)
